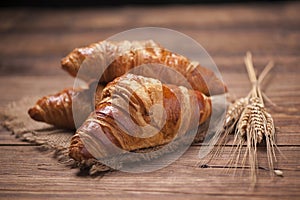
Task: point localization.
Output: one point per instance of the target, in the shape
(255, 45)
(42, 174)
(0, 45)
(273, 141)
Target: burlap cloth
(14, 117)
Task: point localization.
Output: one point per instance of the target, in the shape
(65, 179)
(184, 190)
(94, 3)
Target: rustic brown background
(33, 41)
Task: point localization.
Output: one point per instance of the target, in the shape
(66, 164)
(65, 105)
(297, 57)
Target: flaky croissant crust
(112, 124)
(120, 57)
(57, 109)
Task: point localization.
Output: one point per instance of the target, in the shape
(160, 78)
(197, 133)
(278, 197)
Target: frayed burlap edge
(14, 118)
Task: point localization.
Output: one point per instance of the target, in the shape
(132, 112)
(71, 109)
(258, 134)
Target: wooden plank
(224, 16)
(41, 176)
(235, 63)
(238, 85)
(35, 65)
(22, 86)
(276, 42)
(283, 15)
(30, 65)
(9, 19)
(49, 20)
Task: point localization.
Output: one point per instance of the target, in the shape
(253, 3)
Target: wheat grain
(244, 121)
(256, 119)
(270, 124)
(234, 111)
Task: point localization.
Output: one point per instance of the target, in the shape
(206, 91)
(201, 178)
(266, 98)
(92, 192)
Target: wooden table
(33, 41)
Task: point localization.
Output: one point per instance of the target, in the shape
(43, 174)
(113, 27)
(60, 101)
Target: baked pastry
(113, 59)
(57, 109)
(137, 113)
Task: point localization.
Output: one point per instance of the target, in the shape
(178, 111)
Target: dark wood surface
(33, 41)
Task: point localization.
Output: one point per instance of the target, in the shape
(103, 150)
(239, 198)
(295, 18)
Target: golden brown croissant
(57, 109)
(120, 57)
(136, 113)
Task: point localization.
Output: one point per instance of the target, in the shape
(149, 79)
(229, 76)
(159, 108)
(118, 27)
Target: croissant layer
(113, 59)
(137, 113)
(57, 109)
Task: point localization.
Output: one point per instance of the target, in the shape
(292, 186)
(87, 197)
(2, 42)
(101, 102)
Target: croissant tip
(77, 151)
(74, 152)
(35, 114)
(65, 63)
(225, 88)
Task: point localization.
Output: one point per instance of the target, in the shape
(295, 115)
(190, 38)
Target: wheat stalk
(252, 125)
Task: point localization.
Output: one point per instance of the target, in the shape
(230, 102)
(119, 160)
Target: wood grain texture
(42, 176)
(33, 41)
(53, 44)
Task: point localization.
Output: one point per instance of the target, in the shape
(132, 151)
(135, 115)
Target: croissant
(137, 113)
(120, 57)
(57, 109)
